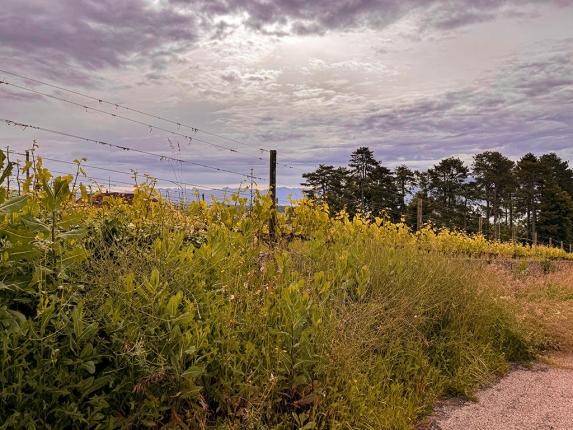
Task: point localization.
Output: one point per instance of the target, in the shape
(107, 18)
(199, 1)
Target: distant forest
(532, 195)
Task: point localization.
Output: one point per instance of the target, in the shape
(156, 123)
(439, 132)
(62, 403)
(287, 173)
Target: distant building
(98, 198)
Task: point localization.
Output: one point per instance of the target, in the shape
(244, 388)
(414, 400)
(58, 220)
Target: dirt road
(540, 398)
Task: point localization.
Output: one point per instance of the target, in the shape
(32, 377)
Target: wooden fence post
(273, 193)
(8, 165)
(27, 161)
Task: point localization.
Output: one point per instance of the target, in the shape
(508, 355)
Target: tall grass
(195, 320)
(544, 303)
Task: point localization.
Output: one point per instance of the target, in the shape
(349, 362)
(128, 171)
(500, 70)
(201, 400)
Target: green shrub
(195, 320)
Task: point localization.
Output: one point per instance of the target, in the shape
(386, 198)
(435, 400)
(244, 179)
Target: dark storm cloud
(92, 34)
(82, 35)
(451, 19)
(318, 16)
(302, 16)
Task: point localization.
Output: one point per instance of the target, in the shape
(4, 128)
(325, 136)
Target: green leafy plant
(142, 315)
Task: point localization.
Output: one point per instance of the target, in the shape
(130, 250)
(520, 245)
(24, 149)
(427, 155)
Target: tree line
(530, 198)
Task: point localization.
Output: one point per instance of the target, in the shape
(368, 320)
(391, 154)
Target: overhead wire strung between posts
(115, 182)
(151, 127)
(121, 106)
(178, 183)
(90, 177)
(96, 179)
(130, 109)
(10, 122)
(540, 240)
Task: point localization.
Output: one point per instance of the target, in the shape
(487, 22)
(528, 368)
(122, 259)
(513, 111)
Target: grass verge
(196, 321)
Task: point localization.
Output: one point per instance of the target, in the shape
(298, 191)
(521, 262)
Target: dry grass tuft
(544, 303)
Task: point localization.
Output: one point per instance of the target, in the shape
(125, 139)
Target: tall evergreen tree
(556, 171)
(555, 199)
(405, 181)
(556, 215)
(535, 193)
(493, 175)
(423, 181)
(528, 177)
(383, 194)
(362, 164)
(327, 184)
(470, 195)
(447, 181)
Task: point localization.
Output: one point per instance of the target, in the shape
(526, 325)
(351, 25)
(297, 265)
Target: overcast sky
(415, 80)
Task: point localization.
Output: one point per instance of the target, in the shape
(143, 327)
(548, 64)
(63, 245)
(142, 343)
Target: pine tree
(447, 181)
(556, 171)
(328, 184)
(555, 199)
(528, 178)
(535, 193)
(405, 181)
(556, 214)
(493, 175)
(362, 164)
(382, 193)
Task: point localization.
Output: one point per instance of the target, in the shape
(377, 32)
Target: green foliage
(194, 320)
(328, 185)
(513, 200)
(556, 214)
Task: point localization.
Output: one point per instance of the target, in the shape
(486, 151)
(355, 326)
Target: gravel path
(540, 398)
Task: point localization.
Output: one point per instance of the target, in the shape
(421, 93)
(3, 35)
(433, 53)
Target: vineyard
(147, 314)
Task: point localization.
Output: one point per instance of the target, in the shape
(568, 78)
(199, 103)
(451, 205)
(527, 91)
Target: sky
(414, 80)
